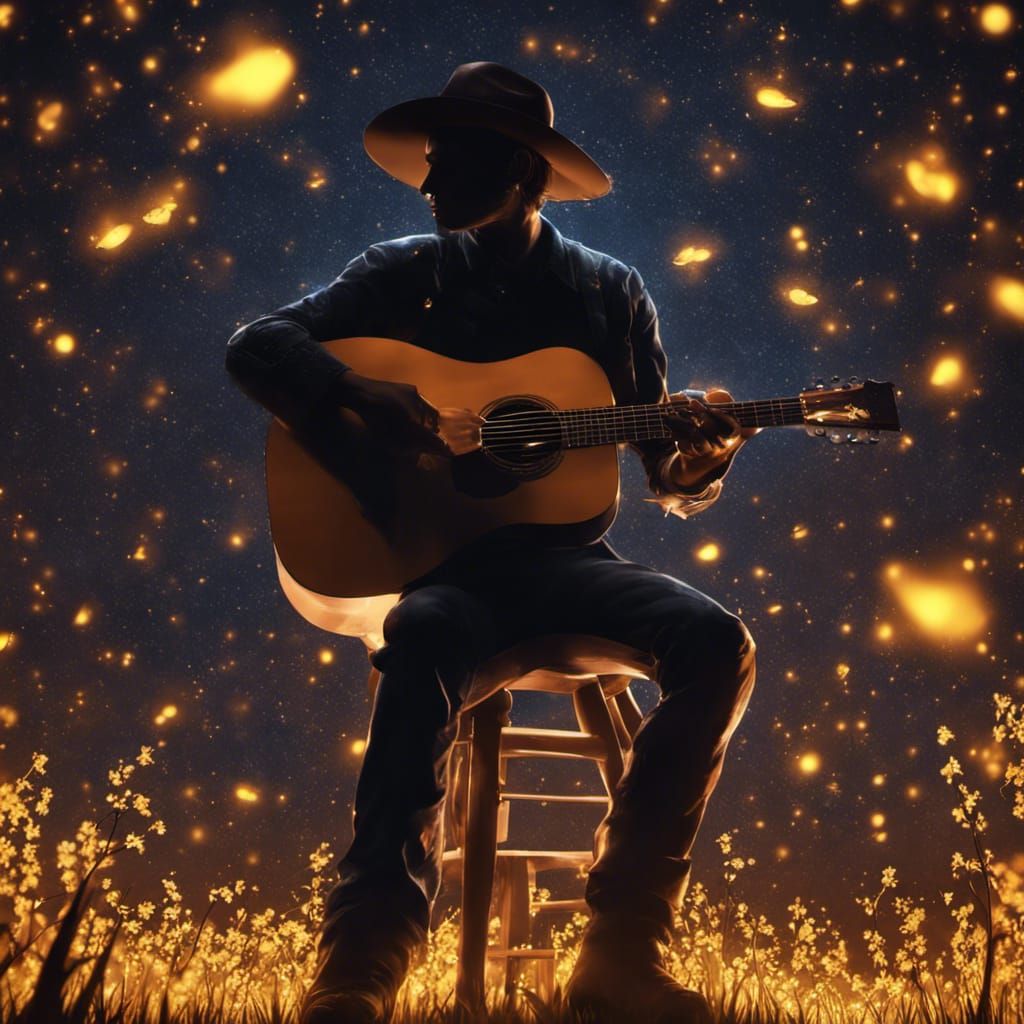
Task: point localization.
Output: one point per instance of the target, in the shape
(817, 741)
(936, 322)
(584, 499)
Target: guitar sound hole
(522, 435)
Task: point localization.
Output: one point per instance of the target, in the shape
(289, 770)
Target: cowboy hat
(483, 95)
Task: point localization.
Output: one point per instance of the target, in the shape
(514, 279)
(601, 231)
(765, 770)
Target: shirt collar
(548, 255)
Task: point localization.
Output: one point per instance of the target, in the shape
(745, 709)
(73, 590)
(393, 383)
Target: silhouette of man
(496, 281)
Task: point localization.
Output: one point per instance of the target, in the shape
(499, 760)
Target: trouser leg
(705, 668)
(434, 637)
(706, 675)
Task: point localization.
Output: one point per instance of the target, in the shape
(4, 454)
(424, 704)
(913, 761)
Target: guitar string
(600, 416)
(507, 427)
(658, 408)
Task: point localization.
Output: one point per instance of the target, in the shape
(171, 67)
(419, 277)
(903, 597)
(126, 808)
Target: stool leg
(515, 911)
(480, 846)
(594, 717)
(629, 710)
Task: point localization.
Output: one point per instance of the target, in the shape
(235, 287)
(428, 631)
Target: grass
(85, 955)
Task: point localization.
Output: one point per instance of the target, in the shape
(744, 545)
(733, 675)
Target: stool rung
(542, 860)
(537, 907)
(523, 742)
(521, 954)
(557, 798)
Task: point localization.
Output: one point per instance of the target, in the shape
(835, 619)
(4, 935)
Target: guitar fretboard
(611, 424)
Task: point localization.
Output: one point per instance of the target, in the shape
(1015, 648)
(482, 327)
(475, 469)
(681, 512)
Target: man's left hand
(706, 436)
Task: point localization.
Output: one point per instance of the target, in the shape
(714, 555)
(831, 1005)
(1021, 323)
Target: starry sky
(807, 190)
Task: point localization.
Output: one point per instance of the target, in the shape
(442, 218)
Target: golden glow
(996, 19)
(6, 15)
(800, 297)
(255, 79)
(114, 237)
(799, 531)
(691, 254)
(83, 616)
(246, 794)
(326, 656)
(775, 98)
(948, 609)
(809, 763)
(49, 117)
(932, 184)
(160, 214)
(1008, 296)
(708, 552)
(357, 747)
(884, 631)
(947, 371)
(64, 343)
(167, 712)
(877, 820)
(6, 640)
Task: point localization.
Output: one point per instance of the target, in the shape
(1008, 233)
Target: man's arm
(279, 360)
(670, 472)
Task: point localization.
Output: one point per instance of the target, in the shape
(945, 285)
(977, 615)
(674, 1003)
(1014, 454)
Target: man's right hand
(397, 415)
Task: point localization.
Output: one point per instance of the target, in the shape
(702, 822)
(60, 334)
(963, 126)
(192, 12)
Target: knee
(715, 645)
(438, 623)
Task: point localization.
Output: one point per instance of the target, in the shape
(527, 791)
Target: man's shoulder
(608, 267)
(393, 253)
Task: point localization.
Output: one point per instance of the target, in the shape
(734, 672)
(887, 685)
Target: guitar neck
(611, 424)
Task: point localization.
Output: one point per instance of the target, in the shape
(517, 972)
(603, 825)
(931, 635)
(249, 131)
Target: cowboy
(497, 280)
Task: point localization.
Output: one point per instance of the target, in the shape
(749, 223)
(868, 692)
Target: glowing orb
(83, 616)
(254, 80)
(691, 254)
(800, 297)
(809, 763)
(160, 214)
(64, 344)
(114, 237)
(49, 117)
(6, 15)
(708, 552)
(939, 185)
(947, 371)
(1008, 296)
(996, 19)
(948, 609)
(246, 794)
(775, 98)
(358, 746)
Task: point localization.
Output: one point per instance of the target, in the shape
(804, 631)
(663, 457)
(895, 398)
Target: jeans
(485, 599)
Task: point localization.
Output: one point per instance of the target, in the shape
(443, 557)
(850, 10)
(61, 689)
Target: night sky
(882, 584)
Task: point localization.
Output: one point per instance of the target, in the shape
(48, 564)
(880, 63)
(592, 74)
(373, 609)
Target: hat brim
(396, 140)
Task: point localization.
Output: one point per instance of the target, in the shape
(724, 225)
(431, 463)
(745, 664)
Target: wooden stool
(596, 673)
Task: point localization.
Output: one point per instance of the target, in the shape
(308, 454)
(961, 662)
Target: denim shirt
(445, 292)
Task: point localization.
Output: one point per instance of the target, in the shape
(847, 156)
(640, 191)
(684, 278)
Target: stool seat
(559, 663)
(596, 673)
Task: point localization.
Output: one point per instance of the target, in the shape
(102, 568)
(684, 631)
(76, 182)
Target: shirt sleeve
(650, 366)
(279, 360)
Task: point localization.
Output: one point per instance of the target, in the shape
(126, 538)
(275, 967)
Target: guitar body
(338, 569)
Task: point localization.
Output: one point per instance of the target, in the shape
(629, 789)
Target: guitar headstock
(854, 411)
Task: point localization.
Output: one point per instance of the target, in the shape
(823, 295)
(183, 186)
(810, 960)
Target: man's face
(468, 182)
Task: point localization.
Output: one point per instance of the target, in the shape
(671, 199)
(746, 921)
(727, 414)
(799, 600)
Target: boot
(620, 977)
(361, 964)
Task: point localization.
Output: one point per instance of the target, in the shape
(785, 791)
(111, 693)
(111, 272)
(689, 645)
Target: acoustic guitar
(547, 456)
